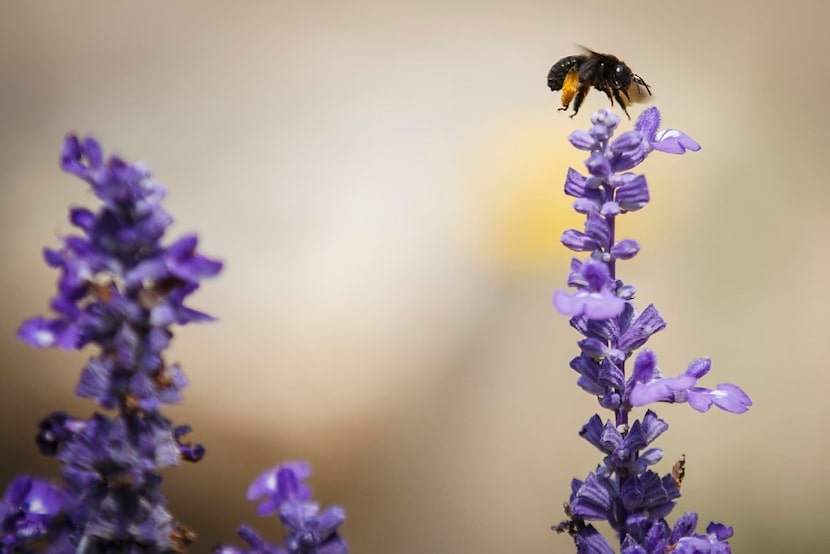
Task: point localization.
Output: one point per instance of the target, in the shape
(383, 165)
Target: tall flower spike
(623, 490)
(120, 289)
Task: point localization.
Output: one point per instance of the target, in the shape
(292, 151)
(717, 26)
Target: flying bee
(575, 75)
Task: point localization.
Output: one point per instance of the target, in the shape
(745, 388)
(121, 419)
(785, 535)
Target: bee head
(622, 76)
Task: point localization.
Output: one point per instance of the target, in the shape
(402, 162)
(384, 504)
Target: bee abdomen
(560, 70)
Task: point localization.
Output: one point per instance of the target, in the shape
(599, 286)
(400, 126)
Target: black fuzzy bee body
(575, 75)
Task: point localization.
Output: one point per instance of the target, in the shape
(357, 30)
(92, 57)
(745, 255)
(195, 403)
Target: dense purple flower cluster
(623, 491)
(310, 531)
(121, 290)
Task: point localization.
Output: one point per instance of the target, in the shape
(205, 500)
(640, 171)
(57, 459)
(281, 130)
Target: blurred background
(384, 183)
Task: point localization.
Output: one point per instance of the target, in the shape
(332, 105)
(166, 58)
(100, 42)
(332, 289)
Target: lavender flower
(310, 531)
(30, 510)
(121, 290)
(624, 491)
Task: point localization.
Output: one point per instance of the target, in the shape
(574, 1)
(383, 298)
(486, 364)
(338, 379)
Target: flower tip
(71, 147)
(645, 366)
(36, 333)
(79, 156)
(648, 122)
(673, 141)
(70, 157)
(731, 398)
(606, 118)
(43, 333)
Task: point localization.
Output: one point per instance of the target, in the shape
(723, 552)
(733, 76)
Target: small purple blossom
(273, 492)
(681, 538)
(650, 387)
(671, 141)
(257, 544)
(310, 530)
(626, 452)
(29, 510)
(595, 298)
(624, 490)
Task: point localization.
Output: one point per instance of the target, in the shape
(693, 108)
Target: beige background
(384, 183)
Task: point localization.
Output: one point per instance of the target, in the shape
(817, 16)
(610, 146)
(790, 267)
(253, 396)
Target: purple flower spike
(120, 290)
(624, 490)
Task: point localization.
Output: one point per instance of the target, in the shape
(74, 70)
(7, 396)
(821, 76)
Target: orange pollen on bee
(570, 86)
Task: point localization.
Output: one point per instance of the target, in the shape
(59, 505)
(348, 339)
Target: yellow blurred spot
(526, 224)
(515, 182)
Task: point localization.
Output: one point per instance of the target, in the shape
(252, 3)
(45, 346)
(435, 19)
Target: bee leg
(580, 96)
(607, 92)
(621, 102)
(637, 80)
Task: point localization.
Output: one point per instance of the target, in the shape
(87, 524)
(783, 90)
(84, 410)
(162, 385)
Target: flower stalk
(623, 490)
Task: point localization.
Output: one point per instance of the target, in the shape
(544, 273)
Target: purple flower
(28, 511)
(43, 333)
(649, 386)
(118, 276)
(276, 491)
(257, 544)
(595, 297)
(626, 452)
(188, 452)
(681, 538)
(310, 530)
(589, 541)
(120, 289)
(671, 141)
(624, 491)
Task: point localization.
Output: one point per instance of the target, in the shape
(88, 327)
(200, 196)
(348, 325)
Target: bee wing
(588, 51)
(594, 63)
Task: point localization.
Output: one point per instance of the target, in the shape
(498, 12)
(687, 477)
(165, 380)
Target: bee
(575, 75)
